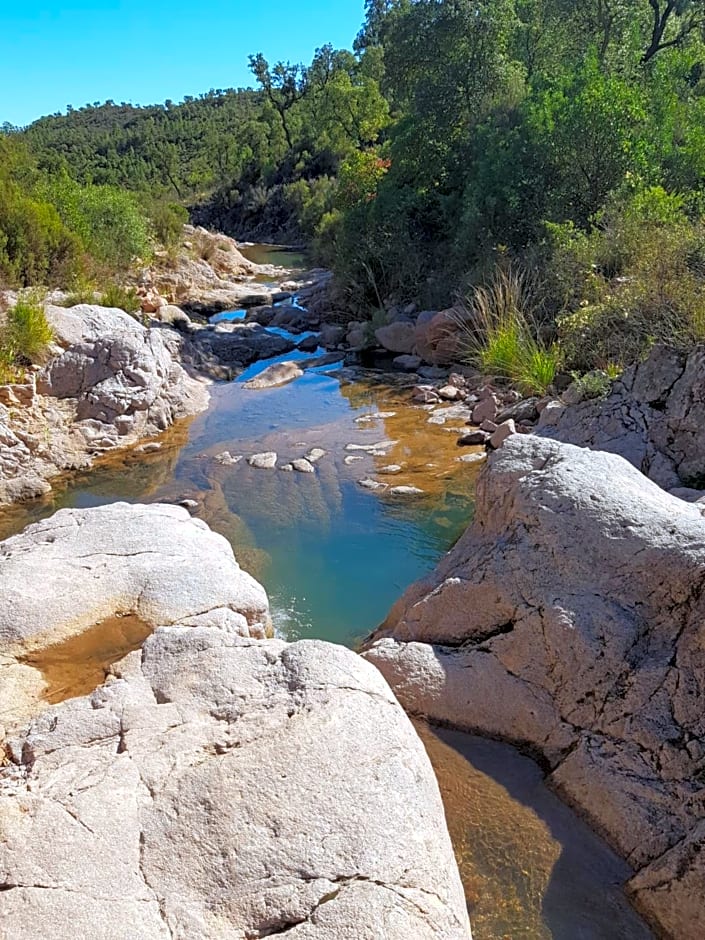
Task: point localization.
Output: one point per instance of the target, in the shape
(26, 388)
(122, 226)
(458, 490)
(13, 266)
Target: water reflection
(531, 869)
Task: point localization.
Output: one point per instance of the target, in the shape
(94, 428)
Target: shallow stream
(333, 557)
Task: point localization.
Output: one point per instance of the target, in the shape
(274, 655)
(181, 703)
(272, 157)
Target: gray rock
(265, 461)
(331, 336)
(113, 367)
(221, 787)
(425, 395)
(503, 432)
(407, 363)
(227, 459)
(61, 577)
(654, 417)
(302, 465)
(369, 484)
(279, 373)
(406, 491)
(397, 337)
(315, 454)
(379, 446)
(524, 411)
(569, 618)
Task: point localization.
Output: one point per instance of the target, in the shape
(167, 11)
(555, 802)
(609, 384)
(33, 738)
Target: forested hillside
(552, 151)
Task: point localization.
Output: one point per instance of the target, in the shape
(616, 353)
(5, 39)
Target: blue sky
(60, 52)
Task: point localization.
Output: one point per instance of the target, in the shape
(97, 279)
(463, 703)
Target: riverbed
(334, 555)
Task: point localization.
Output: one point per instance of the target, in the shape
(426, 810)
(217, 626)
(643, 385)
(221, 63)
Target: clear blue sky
(61, 52)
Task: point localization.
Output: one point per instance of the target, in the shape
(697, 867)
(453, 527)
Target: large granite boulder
(82, 567)
(570, 618)
(654, 417)
(215, 785)
(120, 373)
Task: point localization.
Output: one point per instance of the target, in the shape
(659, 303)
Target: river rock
(397, 337)
(81, 567)
(265, 461)
(407, 363)
(653, 416)
(473, 439)
(406, 491)
(570, 619)
(279, 373)
(113, 367)
(485, 410)
(315, 454)
(503, 432)
(222, 787)
(302, 465)
(244, 344)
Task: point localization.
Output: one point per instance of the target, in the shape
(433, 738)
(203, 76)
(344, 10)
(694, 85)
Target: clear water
(334, 557)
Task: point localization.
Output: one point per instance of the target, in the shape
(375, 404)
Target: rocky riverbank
(568, 620)
(215, 784)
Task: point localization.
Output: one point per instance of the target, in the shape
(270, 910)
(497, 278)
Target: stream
(333, 557)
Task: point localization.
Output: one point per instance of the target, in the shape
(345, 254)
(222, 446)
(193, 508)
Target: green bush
(168, 220)
(24, 338)
(113, 229)
(124, 298)
(35, 245)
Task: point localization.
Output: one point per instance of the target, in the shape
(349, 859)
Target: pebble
(372, 484)
(315, 454)
(302, 465)
(406, 491)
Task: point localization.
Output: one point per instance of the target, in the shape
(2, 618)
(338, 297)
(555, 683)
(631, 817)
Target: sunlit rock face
(212, 783)
(569, 618)
(85, 582)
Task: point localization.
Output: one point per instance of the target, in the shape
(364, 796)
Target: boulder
(331, 336)
(397, 337)
(218, 786)
(113, 367)
(242, 345)
(438, 336)
(82, 567)
(654, 417)
(570, 619)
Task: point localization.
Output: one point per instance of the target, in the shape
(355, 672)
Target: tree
(284, 86)
(672, 22)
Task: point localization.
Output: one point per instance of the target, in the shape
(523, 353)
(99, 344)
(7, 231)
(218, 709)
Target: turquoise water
(332, 556)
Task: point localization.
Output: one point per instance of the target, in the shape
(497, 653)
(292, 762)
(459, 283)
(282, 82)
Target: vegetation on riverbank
(460, 142)
(24, 337)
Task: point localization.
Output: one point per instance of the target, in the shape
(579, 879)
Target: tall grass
(24, 338)
(499, 333)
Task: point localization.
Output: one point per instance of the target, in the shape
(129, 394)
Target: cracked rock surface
(225, 787)
(654, 417)
(110, 382)
(81, 567)
(570, 618)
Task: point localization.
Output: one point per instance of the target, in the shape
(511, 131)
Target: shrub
(168, 221)
(112, 227)
(24, 338)
(35, 246)
(124, 298)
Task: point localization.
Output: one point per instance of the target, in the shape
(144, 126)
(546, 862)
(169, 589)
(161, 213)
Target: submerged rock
(266, 461)
(569, 618)
(279, 373)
